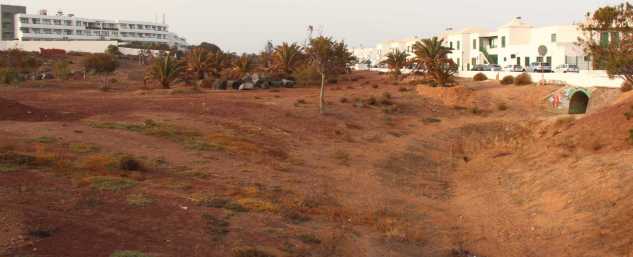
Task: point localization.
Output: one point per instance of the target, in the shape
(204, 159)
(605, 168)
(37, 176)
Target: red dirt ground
(440, 170)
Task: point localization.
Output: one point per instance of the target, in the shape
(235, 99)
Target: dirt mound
(12, 110)
(451, 96)
(607, 128)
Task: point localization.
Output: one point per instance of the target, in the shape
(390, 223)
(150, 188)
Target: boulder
(288, 83)
(247, 86)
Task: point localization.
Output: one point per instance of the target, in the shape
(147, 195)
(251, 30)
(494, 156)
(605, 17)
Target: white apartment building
(377, 54)
(60, 27)
(516, 43)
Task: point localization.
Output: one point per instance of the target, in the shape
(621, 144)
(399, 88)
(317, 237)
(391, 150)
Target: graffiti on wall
(559, 100)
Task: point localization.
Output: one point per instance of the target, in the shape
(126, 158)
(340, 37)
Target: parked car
(494, 67)
(480, 67)
(565, 68)
(514, 68)
(541, 67)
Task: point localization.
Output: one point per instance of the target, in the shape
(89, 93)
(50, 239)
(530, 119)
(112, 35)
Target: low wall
(68, 46)
(135, 51)
(583, 79)
(595, 78)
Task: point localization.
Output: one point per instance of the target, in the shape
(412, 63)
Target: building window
(25, 30)
(79, 32)
(458, 45)
(451, 44)
(36, 21)
(503, 42)
(36, 31)
(615, 37)
(57, 22)
(68, 23)
(604, 39)
(553, 38)
(475, 44)
(24, 20)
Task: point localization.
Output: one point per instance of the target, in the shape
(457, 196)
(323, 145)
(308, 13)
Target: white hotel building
(60, 27)
(514, 43)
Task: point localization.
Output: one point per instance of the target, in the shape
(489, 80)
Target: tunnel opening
(578, 103)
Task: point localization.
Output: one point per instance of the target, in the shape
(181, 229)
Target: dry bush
(626, 87)
(507, 80)
(523, 79)
(480, 77)
(502, 107)
(250, 252)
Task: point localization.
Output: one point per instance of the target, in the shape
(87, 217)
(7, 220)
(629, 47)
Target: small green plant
(104, 183)
(629, 114)
(139, 200)
(6, 168)
(430, 120)
(309, 239)
(480, 77)
(45, 140)
(129, 254)
(83, 148)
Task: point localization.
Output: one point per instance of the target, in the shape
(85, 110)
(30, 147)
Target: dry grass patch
(191, 139)
(250, 252)
(105, 183)
(139, 200)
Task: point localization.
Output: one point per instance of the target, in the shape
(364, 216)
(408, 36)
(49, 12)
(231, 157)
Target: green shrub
(507, 80)
(308, 75)
(9, 76)
(128, 163)
(61, 70)
(480, 77)
(626, 87)
(523, 79)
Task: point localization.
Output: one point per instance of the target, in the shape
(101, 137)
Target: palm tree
(198, 62)
(243, 65)
(432, 55)
(396, 60)
(287, 58)
(165, 70)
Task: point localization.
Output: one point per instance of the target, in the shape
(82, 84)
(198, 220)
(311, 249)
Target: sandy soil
(479, 168)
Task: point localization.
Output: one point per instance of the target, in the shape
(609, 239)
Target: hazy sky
(246, 25)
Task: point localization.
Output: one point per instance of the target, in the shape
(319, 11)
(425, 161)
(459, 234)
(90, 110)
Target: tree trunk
(322, 95)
